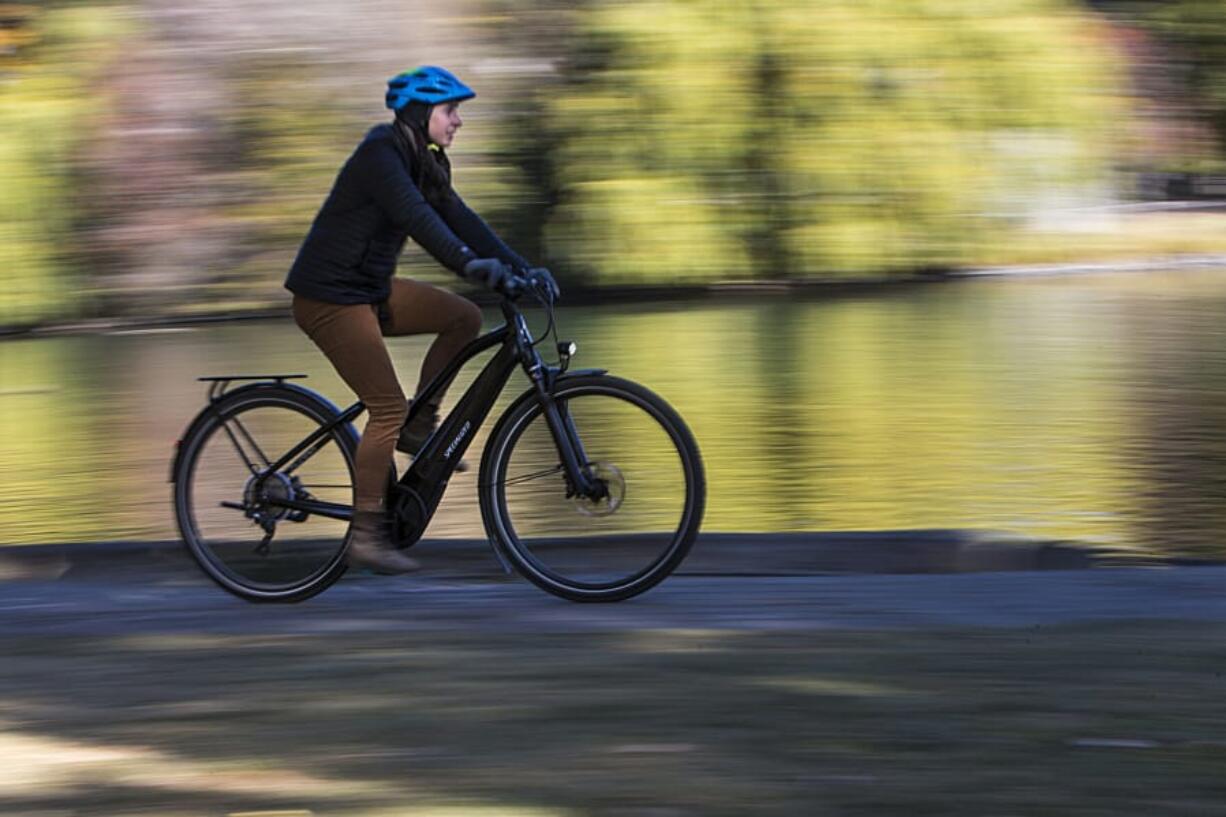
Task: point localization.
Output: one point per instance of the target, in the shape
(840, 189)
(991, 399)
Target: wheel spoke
(529, 477)
(622, 543)
(235, 549)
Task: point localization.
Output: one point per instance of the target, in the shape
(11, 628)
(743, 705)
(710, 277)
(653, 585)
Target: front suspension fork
(570, 447)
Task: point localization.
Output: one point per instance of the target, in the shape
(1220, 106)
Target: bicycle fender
(218, 406)
(530, 394)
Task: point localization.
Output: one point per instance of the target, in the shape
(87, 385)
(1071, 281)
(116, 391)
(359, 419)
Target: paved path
(813, 581)
(138, 690)
(112, 605)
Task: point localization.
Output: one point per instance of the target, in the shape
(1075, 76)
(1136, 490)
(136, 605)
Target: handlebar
(515, 287)
(522, 282)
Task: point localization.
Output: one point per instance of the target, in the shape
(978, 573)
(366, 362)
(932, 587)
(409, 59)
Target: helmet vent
(429, 85)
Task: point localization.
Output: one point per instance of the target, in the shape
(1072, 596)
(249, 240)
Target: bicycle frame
(421, 487)
(416, 495)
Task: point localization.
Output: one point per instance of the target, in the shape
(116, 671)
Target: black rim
(198, 543)
(678, 536)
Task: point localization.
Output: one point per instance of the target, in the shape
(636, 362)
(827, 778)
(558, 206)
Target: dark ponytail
(428, 164)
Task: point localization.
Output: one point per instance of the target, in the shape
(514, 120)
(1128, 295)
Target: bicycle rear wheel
(231, 515)
(612, 549)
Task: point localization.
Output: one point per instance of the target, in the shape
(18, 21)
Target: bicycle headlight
(566, 350)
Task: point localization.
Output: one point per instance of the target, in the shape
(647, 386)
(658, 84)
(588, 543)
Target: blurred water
(1091, 408)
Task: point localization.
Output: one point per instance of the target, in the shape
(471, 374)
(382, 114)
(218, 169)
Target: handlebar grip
(514, 287)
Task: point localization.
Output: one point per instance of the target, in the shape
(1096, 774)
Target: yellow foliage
(852, 137)
(40, 106)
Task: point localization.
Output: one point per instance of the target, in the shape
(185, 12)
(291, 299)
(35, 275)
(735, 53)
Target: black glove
(492, 272)
(543, 278)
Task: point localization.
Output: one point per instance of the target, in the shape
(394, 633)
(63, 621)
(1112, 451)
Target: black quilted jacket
(349, 255)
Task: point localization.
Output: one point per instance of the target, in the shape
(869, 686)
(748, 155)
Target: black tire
(584, 551)
(306, 555)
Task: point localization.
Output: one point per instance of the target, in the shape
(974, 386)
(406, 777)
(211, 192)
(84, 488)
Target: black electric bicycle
(590, 486)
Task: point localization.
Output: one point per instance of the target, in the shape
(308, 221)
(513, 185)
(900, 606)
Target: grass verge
(1085, 720)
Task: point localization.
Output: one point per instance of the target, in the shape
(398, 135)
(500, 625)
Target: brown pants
(351, 337)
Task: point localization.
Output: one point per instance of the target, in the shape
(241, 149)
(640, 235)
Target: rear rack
(223, 381)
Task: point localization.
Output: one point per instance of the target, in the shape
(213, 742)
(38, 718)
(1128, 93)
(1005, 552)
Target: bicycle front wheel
(238, 520)
(645, 458)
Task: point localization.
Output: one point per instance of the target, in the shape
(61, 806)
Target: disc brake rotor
(615, 491)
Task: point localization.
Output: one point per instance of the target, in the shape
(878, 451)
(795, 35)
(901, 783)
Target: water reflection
(1087, 408)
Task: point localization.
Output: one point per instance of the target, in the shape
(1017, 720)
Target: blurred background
(164, 158)
(775, 213)
(161, 160)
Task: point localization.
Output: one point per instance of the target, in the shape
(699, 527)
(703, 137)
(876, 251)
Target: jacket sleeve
(384, 175)
(472, 229)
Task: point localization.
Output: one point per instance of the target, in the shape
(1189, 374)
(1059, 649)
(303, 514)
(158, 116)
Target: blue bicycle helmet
(428, 85)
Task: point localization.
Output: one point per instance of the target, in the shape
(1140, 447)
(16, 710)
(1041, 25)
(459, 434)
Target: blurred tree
(703, 140)
(280, 157)
(517, 187)
(18, 29)
(625, 141)
(164, 159)
(201, 180)
(1196, 29)
(51, 57)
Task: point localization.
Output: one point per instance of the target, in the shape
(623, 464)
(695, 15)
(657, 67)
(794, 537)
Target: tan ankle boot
(371, 546)
(415, 432)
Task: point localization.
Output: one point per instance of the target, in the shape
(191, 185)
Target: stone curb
(715, 554)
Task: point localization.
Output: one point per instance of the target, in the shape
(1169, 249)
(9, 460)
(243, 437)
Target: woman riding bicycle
(395, 186)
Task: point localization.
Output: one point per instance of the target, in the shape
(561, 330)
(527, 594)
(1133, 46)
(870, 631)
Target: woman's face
(444, 122)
